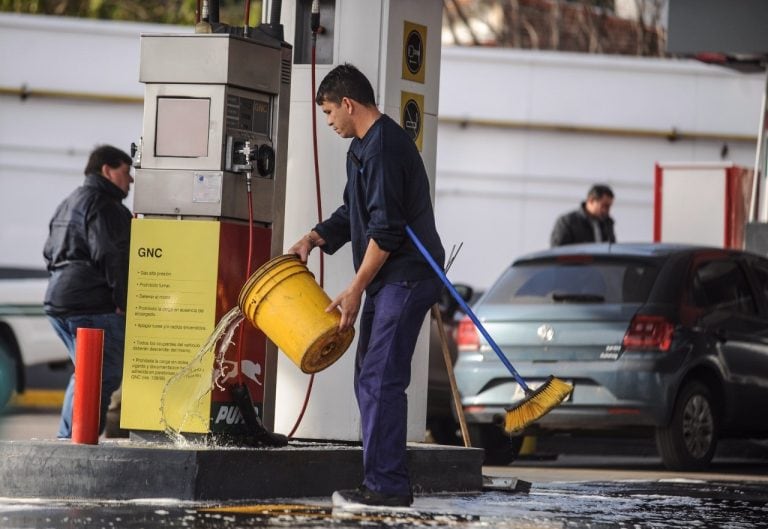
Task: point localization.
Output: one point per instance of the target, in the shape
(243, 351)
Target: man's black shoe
(363, 496)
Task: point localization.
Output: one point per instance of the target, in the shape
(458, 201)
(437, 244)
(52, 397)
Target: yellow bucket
(283, 299)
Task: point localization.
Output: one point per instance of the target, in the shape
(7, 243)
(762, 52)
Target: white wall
(45, 141)
(560, 122)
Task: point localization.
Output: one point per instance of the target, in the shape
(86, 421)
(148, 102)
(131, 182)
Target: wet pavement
(673, 503)
(578, 491)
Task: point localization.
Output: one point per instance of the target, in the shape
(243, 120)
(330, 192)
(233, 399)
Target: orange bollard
(89, 347)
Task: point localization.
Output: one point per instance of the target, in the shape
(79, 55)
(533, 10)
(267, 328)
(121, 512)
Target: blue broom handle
(466, 308)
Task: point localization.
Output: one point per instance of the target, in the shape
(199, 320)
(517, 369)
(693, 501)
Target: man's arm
(348, 302)
(560, 234)
(109, 240)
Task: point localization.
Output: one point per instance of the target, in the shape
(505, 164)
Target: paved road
(19, 426)
(576, 468)
(601, 504)
(571, 491)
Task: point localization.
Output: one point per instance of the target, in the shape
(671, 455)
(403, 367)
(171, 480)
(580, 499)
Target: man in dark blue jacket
(387, 188)
(87, 256)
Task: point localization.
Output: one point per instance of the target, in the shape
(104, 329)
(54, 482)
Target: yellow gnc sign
(171, 312)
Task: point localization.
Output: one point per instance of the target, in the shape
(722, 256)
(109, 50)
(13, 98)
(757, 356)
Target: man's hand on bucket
(304, 246)
(348, 303)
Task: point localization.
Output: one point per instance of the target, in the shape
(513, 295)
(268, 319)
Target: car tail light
(649, 332)
(467, 337)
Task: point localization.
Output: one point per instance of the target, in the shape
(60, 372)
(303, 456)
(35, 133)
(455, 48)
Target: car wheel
(7, 375)
(690, 439)
(500, 448)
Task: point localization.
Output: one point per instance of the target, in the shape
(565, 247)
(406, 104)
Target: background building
(522, 134)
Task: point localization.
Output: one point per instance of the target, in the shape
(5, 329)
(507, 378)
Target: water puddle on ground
(584, 505)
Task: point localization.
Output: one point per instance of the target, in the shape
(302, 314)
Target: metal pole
(86, 408)
(757, 187)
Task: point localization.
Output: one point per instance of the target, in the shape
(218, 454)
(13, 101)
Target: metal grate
(285, 77)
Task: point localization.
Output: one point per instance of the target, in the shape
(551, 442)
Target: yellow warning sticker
(412, 116)
(414, 51)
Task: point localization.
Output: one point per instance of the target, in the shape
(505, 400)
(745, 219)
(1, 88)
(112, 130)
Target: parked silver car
(30, 352)
(657, 339)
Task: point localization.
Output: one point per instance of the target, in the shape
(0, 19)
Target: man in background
(591, 222)
(87, 253)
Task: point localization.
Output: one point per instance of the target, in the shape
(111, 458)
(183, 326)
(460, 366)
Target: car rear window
(574, 282)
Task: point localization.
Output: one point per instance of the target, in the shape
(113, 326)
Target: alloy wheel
(698, 426)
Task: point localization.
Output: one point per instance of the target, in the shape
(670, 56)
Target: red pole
(658, 196)
(87, 400)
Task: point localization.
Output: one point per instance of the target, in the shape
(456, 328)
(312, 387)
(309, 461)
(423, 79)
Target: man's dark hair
(345, 81)
(598, 191)
(106, 154)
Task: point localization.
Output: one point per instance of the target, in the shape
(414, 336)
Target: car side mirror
(448, 305)
(465, 291)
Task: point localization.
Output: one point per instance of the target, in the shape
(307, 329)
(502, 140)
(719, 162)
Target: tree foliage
(162, 11)
(592, 26)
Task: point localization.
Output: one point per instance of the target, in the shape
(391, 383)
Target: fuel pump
(209, 200)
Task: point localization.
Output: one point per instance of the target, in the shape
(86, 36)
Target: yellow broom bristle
(537, 404)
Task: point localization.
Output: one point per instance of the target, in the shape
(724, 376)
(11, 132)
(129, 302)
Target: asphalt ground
(577, 490)
(604, 504)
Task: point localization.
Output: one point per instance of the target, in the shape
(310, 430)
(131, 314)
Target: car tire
(500, 448)
(689, 441)
(7, 375)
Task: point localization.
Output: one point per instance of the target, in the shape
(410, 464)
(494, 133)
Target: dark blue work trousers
(390, 322)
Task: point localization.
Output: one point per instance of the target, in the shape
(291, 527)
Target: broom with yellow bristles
(536, 403)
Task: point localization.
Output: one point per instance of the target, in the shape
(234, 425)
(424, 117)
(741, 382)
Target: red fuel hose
(319, 214)
(241, 331)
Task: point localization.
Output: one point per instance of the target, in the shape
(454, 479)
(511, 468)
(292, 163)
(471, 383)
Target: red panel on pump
(233, 256)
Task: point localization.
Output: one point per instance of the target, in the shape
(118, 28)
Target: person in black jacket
(387, 188)
(87, 253)
(589, 223)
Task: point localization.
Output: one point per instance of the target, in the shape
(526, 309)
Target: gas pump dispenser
(216, 121)
(209, 198)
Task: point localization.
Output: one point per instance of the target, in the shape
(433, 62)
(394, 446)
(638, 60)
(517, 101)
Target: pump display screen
(182, 127)
(244, 113)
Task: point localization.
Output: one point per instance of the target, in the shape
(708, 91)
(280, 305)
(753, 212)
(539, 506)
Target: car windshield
(584, 281)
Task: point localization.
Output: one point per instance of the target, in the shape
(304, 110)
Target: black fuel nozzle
(257, 434)
(248, 180)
